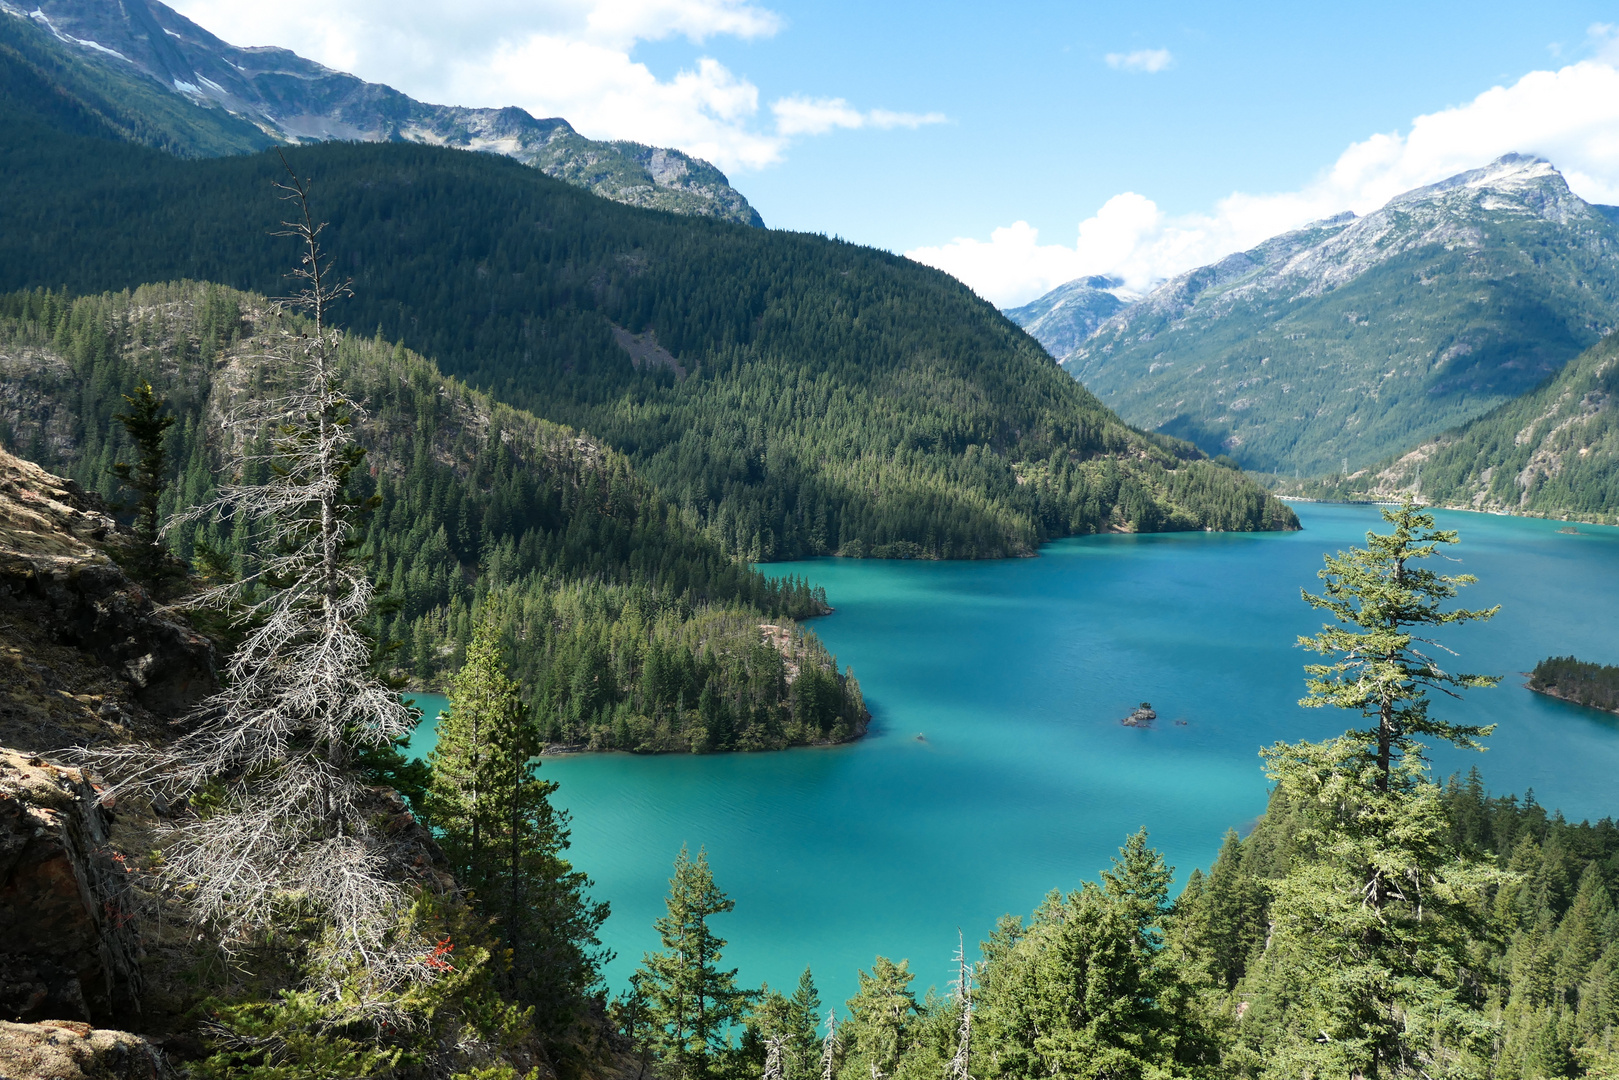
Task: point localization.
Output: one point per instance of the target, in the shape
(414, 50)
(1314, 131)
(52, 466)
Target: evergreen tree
(783, 1029)
(1378, 597)
(504, 839)
(484, 744)
(1367, 956)
(1085, 990)
(146, 424)
(691, 1002)
(882, 1015)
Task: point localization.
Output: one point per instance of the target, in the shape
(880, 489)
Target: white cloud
(1604, 39)
(1146, 60)
(569, 58)
(1569, 116)
(817, 116)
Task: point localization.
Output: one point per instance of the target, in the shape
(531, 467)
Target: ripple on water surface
(1017, 674)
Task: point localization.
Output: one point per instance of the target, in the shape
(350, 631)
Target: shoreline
(578, 749)
(1567, 517)
(1552, 693)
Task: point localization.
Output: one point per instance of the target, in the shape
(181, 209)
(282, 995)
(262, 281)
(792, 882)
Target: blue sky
(1259, 97)
(912, 126)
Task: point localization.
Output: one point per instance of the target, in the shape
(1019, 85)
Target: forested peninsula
(797, 394)
(1579, 681)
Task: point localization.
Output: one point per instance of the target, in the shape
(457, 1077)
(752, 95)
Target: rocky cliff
(85, 654)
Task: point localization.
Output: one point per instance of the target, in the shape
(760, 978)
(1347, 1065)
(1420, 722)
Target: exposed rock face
(62, 597)
(68, 1050)
(69, 951)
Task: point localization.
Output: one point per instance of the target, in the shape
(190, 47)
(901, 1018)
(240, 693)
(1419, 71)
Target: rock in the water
(1143, 716)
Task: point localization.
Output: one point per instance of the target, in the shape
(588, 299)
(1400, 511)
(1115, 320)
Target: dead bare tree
(829, 1047)
(773, 1066)
(275, 748)
(960, 1065)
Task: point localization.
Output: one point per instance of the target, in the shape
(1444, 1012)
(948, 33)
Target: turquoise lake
(1015, 674)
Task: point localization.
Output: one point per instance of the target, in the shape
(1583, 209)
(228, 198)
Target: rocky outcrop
(69, 1050)
(84, 652)
(69, 951)
(1141, 716)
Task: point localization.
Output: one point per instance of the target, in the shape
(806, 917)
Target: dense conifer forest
(797, 394)
(632, 626)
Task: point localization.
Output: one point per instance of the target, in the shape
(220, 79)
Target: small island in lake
(1143, 716)
(1579, 681)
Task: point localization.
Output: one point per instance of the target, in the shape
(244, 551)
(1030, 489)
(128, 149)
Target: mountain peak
(265, 95)
(1508, 174)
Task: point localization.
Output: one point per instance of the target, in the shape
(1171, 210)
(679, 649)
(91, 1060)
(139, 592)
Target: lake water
(1015, 675)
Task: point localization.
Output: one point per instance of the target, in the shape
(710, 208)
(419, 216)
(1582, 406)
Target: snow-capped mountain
(1354, 336)
(1064, 317)
(276, 95)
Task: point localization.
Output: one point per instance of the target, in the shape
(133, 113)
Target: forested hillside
(1551, 453)
(798, 395)
(627, 625)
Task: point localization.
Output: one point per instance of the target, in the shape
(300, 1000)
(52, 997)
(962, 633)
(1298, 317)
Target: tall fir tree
(1383, 669)
(691, 1002)
(1365, 965)
(504, 839)
(147, 425)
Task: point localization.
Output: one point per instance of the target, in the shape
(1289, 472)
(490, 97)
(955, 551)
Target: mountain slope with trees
(152, 76)
(635, 630)
(798, 395)
(1356, 337)
(1553, 452)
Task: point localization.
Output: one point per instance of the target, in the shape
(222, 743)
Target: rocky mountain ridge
(1355, 336)
(276, 96)
(1065, 317)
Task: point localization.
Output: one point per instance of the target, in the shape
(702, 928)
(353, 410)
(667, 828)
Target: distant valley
(1355, 338)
